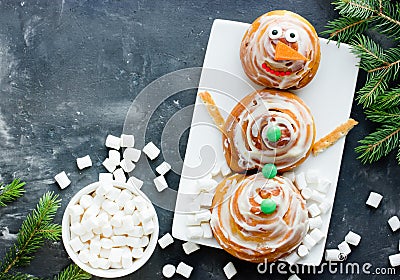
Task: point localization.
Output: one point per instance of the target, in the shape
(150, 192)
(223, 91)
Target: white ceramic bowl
(112, 272)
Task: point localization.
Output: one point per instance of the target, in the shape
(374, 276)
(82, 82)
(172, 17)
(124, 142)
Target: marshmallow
(163, 168)
(129, 207)
(137, 253)
(116, 220)
(104, 187)
(300, 181)
(135, 218)
(292, 258)
(203, 216)
(148, 228)
(127, 165)
(127, 141)
(194, 232)
(113, 193)
(103, 218)
(76, 210)
(95, 246)
(92, 211)
(168, 270)
(309, 242)
(352, 238)
(317, 235)
(290, 175)
(136, 232)
(106, 243)
(151, 150)
(76, 244)
(325, 207)
(229, 270)
(206, 199)
(127, 223)
(126, 261)
(190, 247)
(103, 263)
(144, 241)
(207, 232)
(62, 180)
(132, 154)
(134, 242)
(116, 265)
(317, 196)
(374, 199)
(315, 222)
(83, 256)
(394, 260)
(85, 201)
(123, 197)
(119, 240)
(78, 229)
(145, 215)
(105, 177)
(302, 251)
(314, 210)
(184, 269)
(206, 184)
(97, 202)
(135, 182)
(192, 221)
(333, 255)
(394, 223)
(324, 186)
(294, 277)
(119, 231)
(119, 175)
(160, 183)
(110, 207)
(344, 248)
(84, 162)
(114, 156)
(105, 253)
(87, 236)
(312, 176)
(140, 202)
(107, 230)
(75, 219)
(306, 193)
(225, 169)
(109, 165)
(113, 142)
(115, 255)
(93, 260)
(165, 241)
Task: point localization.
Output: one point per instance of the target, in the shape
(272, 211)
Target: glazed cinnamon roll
(246, 232)
(245, 142)
(280, 50)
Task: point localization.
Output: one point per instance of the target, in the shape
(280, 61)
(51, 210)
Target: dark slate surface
(69, 71)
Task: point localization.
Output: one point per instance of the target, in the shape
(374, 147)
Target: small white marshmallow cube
(294, 277)
(113, 193)
(325, 207)
(129, 207)
(85, 201)
(300, 181)
(352, 238)
(126, 261)
(207, 232)
(116, 220)
(127, 223)
(105, 177)
(106, 243)
(332, 255)
(134, 242)
(137, 253)
(93, 260)
(76, 210)
(292, 258)
(309, 242)
(324, 186)
(394, 223)
(144, 241)
(62, 180)
(104, 188)
(135, 182)
(119, 240)
(302, 251)
(83, 256)
(78, 229)
(344, 248)
(146, 216)
(84, 162)
(317, 235)
(76, 244)
(394, 260)
(132, 154)
(163, 168)
(119, 175)
(114, 156)
(207, 184)
(312, 176)
(127, 165)
(151, 150)
(95, 246)
(113, 142)
(141, 203)
(127, 141)
(374, 199)
(194, 232)
(206, 199)
(315, 222)
(203, 216)
(230, 270)
(184, 269)
(168, 270)
(148, 228)
(306, 193)
(110, 207)
(192, 221)
(190, 247)
(115, 255)
(107, 230)
(104, 263)
(317, 196)
(105, 253)
(87, 236)
(160, 183)
(116, 265)
(290, 175)
(165, 240)
(109, 165)
(123, 197)
(314, 210)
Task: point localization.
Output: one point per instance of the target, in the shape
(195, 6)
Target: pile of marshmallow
(110, 227)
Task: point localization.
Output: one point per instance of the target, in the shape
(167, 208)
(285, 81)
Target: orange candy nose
(284, 52)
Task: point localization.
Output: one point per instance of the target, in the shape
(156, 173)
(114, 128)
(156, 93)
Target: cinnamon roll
(280, 50)
(245, 142)
(246, 232)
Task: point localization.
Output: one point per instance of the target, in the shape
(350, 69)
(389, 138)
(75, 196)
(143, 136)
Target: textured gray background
(69, 71)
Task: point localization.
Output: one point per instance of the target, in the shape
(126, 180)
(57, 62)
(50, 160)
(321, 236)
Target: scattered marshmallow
(76, 244)
(84, 255)
(115, 255)
(207, 184)
(151, 150)
(194, 232)
(312, 176)
(325, 207)
(104, 188)
(106, 177)
(333, 255)
(184, 269)
(163, 168)
(165, 241)
(300, 181)
(344, 248)
(192, 221)
(85, 201)
(394, 260)
(132, 154)
(352, 238)
(309, 242)
(317, 196)
(292, 258)
(203, 216)
(84, 162)
(148, 228)
(113, 142)
(394, 223)
(137, 253)
(127, 141)
(314, 210)
(78, 229)
(207, 231)
(114, 156)
(62, 180)
(168, 270)
(294, 277)
(190, 247)
(229, 270)
(160, 183)
(317, 235)
(206, 199)
(315, 222)
(290, 175)
(127, 165)
(119, 175)
(302, 251)
(324, 186)
(109, 165)
(374, 199)
(135, 182)
(306, 193)
(76, 210)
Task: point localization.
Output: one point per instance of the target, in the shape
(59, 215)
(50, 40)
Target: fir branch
(73, 272)
(389, 99)
(11, 192)
(344, 28)
(379, 143)
(31, 235)
(388, 116)
(398, 155)
(375, 86)
(17, 276)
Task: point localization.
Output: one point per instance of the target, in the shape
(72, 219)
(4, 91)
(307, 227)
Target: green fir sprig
(380, 96)
(10, 192)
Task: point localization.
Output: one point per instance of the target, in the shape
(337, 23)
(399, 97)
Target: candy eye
(275, 32)
(291, 35)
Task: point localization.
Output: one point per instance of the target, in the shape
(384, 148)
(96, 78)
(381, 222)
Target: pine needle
(344, 28)
(389, 99)
(34, 230)
(388, 116)
(18, 276)
(11, 192)
(73, 272)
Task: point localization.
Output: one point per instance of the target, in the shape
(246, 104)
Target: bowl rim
(108, 273)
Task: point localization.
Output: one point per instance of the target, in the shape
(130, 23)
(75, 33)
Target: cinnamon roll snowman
(280, 50)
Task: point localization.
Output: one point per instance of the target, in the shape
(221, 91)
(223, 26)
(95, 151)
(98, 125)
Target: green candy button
(268, 206)
(269, 170)
(274, 133)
